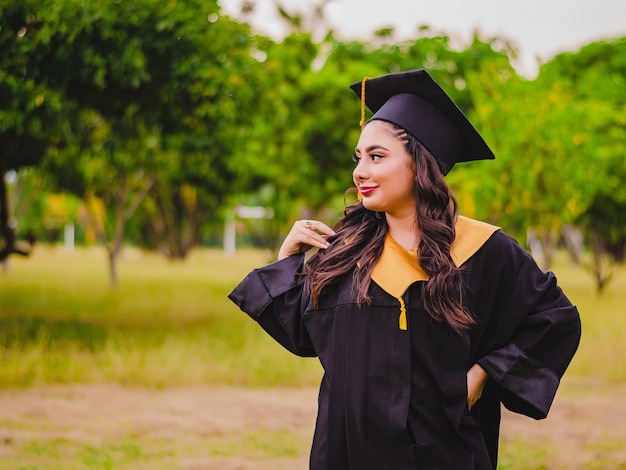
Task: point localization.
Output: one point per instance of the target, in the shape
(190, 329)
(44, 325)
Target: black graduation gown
(397, 399)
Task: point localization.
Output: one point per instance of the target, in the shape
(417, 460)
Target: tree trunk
(123, 211)
(6, 234)
(8, 243)
(112, 267)
(548, 241)
(572, 238)
(175, 223)
(114, 246)
(600, 266)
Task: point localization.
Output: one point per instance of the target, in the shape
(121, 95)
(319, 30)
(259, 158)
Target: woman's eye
(355, 158)
(376, 156)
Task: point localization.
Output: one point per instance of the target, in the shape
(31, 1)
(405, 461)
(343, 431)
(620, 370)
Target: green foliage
(31, 107)
(152, 92)
(272, 155)
(30, 112)
(594, 76)
(559, 143)
(541, 172)
(297, 155)
(41, 213)
(163, 116)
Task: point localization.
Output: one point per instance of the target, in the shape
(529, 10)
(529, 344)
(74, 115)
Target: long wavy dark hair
(360, 236)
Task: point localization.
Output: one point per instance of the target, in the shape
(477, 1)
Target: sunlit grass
(150, 452)
(171, 322)
(167, 323)
(520, 455)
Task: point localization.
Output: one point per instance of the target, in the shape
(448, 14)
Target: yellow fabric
(471, 235)
(398, 267)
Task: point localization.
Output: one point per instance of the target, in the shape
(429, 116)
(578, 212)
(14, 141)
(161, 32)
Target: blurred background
(153, 152)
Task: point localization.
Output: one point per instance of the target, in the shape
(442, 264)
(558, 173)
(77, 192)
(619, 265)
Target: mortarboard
(415, 102)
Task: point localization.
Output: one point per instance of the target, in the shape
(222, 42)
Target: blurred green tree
(155, 88)
(295, 157)
(595, 75)
(559, 141)
(271, 160)
(205, 95)
(30, 112)
(539, 181)
(298, 152)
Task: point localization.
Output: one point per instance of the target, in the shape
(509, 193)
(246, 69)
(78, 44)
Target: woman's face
(385, 171)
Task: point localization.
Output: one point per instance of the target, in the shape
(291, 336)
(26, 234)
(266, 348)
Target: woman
(424, 321)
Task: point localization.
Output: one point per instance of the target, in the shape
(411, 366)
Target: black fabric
(396, 399)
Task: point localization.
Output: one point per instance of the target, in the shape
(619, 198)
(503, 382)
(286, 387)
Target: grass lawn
(169, 327)
(167, 324)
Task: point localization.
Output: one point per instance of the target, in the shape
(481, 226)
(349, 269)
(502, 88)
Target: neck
(403, 229)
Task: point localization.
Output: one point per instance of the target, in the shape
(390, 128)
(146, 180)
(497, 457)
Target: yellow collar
(398, 267)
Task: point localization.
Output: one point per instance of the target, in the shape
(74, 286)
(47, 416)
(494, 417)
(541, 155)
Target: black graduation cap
(415, 102)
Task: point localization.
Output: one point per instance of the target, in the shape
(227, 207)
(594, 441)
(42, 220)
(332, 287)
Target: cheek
(411, 175)
(408, 182)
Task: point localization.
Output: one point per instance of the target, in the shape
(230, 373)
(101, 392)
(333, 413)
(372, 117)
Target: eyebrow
(373, 147)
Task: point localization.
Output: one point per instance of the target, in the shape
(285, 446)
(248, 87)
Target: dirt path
(193, 418)
(587, 423)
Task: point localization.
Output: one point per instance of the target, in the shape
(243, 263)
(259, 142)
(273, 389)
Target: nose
(360, 172)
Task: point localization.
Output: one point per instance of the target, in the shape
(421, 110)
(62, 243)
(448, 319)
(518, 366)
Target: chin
(373, 207)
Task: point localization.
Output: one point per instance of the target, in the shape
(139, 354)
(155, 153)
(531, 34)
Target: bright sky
(539, 29)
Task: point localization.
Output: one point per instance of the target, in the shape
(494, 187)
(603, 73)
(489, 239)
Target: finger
(311, 237)
(317, 226)
(314, 239)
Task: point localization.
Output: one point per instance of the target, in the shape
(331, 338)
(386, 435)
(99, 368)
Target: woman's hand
(476, 378)
(304, 235)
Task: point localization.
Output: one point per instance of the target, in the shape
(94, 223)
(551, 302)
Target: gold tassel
(362, 123)
(402, 320)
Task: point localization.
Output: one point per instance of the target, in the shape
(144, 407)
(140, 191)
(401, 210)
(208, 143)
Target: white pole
(243, 212)
(229, 237)
(69, 236)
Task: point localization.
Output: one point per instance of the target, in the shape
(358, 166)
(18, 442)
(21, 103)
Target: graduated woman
(424, 321)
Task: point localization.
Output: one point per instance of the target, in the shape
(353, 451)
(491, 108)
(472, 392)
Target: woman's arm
(476, 378)
(534, 330)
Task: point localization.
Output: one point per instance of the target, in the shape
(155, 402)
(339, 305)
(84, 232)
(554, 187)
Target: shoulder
(470, 236)
(466, 224)
(501, 243)
(502, 252)
(477, 239)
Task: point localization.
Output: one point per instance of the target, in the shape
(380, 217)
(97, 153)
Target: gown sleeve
(536, 335)
(273, 297)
